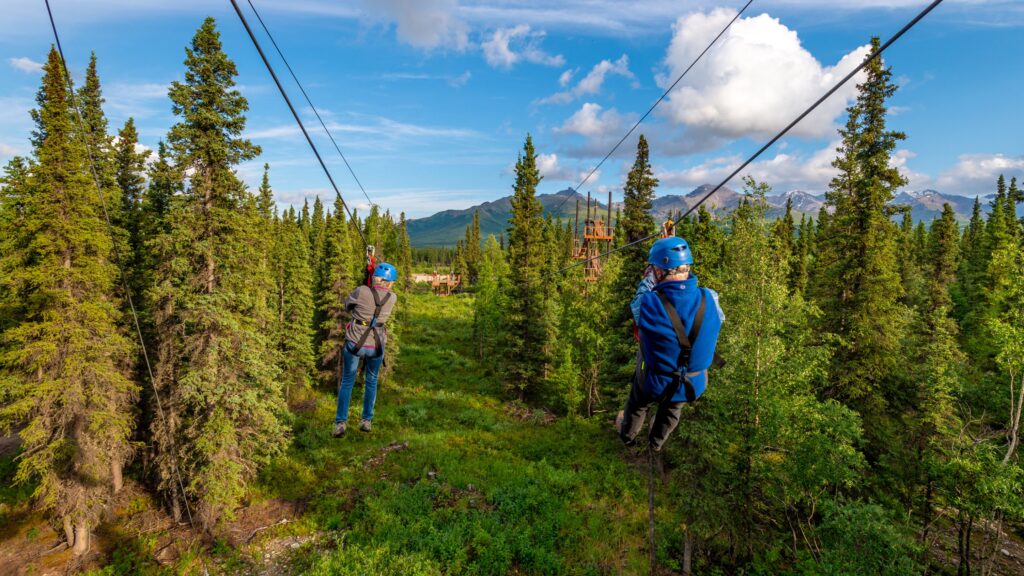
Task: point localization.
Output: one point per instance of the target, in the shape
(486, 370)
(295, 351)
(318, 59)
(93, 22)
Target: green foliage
(294, 305)
(491, 300)
(635, 223)
(355, 560)
(858, 280)
(858, 538)
(215, 368)
(526, 318)
(338, 265)
(759, 446)
(64, 358)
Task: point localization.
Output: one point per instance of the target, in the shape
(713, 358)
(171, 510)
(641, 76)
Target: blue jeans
(371, 363)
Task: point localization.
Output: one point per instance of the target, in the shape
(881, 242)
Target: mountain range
(447, 227)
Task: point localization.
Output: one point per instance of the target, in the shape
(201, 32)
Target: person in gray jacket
(365, 338)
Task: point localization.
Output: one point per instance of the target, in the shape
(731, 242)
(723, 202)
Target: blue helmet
(669, 253)
(385, 271)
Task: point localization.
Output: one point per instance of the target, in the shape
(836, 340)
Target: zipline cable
(117, 255)
(655, 105)
(308, 101)
(775, 139)
(298, 120)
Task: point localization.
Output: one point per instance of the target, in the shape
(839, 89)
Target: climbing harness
(372, 325)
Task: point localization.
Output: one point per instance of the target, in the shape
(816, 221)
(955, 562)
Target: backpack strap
(372, 326)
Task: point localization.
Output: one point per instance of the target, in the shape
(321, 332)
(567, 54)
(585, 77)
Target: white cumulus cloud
(784, 171)
(592, 82)
(551, 168)
(26, 65)
(509, 46)
(976, 174)
(754, 81)
(592, 121)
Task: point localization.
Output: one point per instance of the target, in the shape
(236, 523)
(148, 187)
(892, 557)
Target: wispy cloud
(976, 174)
(375, 125)
(26, 65)
(508, 46)
(137, 99)
(453, 80)
(591, 83)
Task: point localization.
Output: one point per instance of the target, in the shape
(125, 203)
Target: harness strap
(685, 347)
(372, 324)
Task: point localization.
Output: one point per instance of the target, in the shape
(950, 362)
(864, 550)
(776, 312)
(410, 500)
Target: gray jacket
(361, 305)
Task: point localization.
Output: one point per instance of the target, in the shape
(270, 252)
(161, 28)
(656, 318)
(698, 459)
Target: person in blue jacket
(675, 353)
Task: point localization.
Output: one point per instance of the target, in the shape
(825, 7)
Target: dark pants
(635, 412)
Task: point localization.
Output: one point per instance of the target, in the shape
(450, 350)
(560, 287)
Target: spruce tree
(129, 170)
(459, 266)
(784, 231)
(938, 368)
(707, 242)
(316, 231)
(100, 145)
(859, 284)
(527, 254)
(294, 307)
(971, 272)
(215, 365)
(473, 248)
(492, 291)
(265, 199)
(64, 360)
(911, 272)
(759, 452)
(404, 260)
(800, 270)
(634, 224)
(340, 261)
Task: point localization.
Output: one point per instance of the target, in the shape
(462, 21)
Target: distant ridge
(449, 226)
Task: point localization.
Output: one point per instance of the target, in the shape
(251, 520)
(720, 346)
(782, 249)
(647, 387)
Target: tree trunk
(117, 475)
(1014, 419)
(81, 539)
(688, 553)
(175, 509)
(69, 532)
(967, 547)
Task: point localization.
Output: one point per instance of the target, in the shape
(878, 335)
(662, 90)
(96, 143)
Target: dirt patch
(253, 520)
(33, 548)
(303, 406)
(1003, 550)
(379, 459)
(9, 445)
(540, 416)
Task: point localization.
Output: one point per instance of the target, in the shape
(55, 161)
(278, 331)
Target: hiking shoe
(339, 429)
(364, 426)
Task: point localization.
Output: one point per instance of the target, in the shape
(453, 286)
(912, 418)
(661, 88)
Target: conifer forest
(171, 346)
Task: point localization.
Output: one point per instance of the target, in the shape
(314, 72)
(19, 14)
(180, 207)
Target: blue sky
(431, 99)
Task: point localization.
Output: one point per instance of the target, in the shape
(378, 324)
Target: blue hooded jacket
(658, 339)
